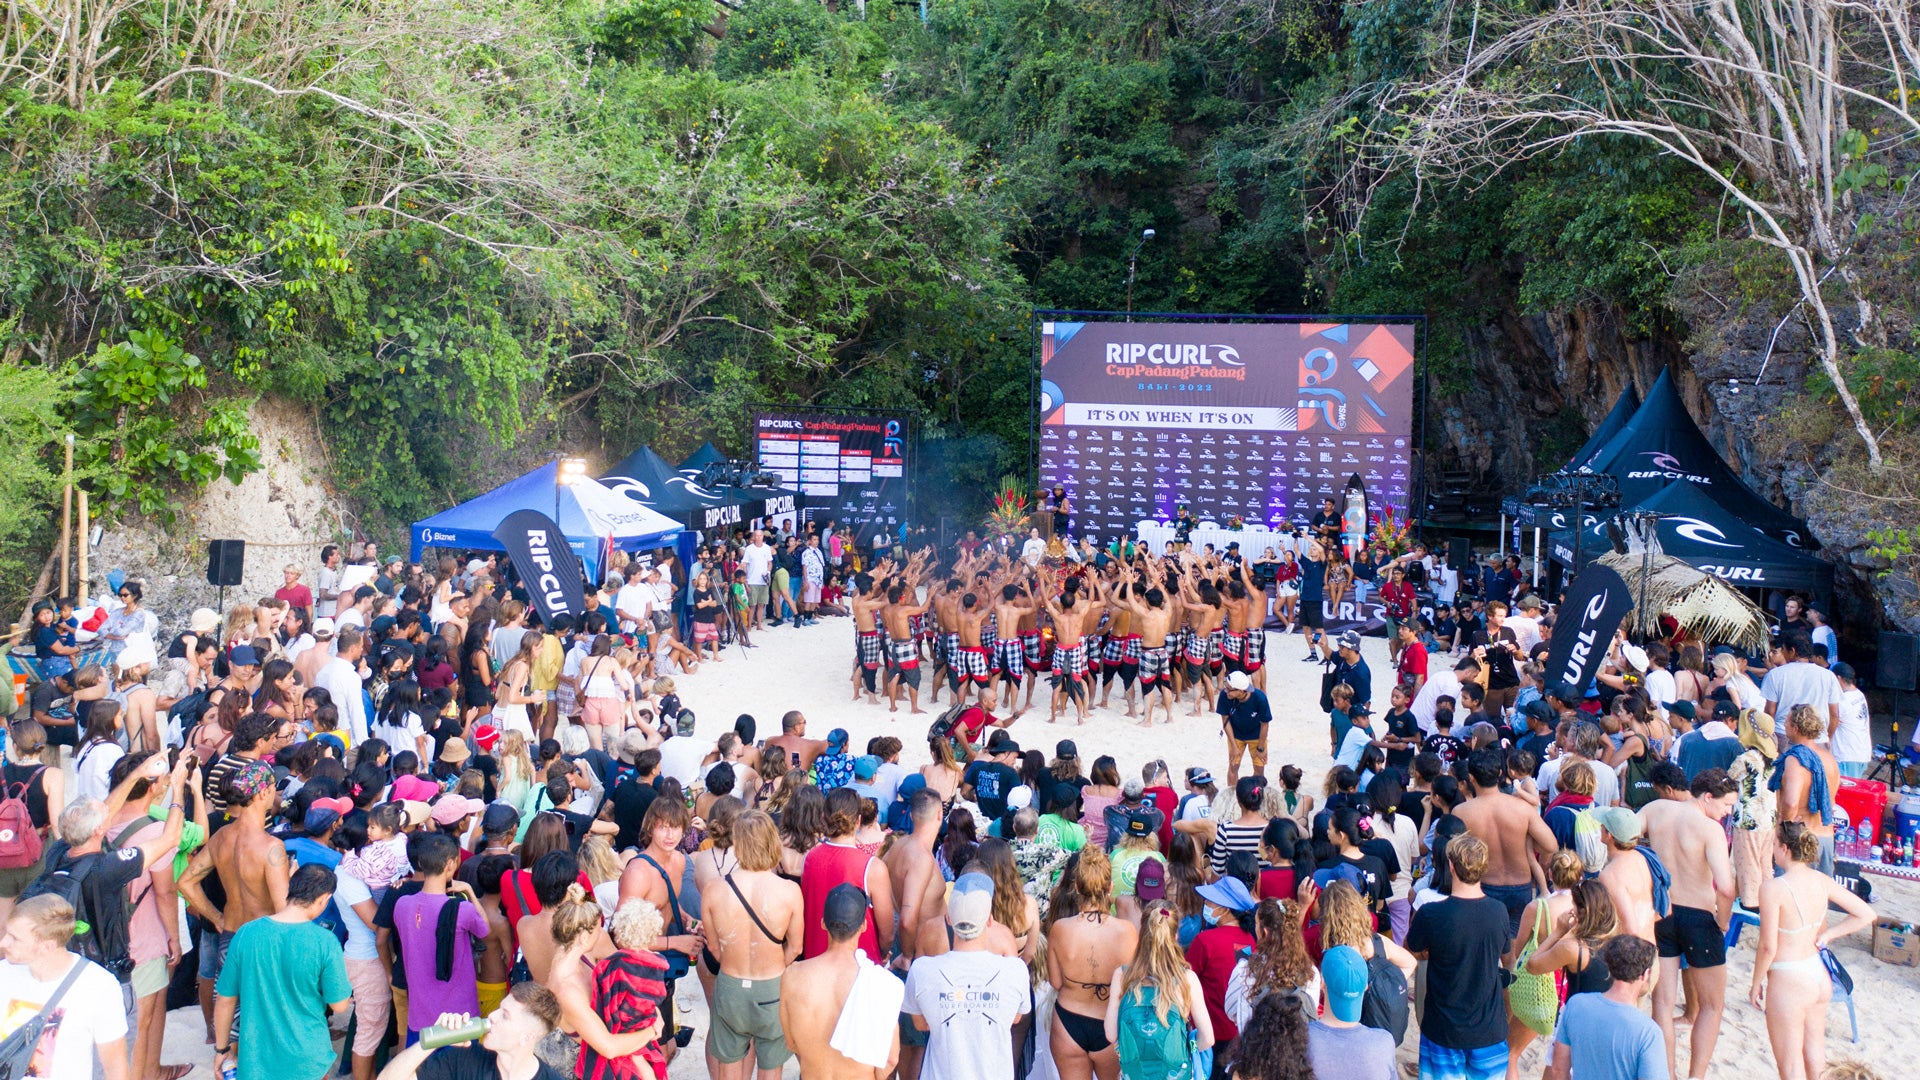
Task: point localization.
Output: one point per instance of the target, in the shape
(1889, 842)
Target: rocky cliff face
(1542, 382)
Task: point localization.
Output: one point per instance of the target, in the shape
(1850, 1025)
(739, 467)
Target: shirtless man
(252, 865)
(793, 739)
(1804, 752)
(813, 992)
(970, 664)
(903, 648)
(1152, 618)
(1069, 650)
(922, 899)
(909, 861)
(1684, 828)
(945, 607)
(869, 648)
(663, 827)
(1627, 876)
(754, 922)
(1205, 613)
(1010, 651)
(1123, 649)
(1513, 831)
(1245, 645)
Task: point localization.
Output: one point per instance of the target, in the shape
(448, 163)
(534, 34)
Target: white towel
(867, 1021)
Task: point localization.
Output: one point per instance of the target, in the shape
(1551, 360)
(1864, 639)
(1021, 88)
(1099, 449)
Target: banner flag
(546, 564)
(1596, 602)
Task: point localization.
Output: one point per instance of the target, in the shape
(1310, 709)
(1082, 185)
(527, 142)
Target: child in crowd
(1532, 676)
(383, 861)
(1442, 743)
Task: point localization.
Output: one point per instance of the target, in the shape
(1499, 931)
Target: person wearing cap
(968, 999)
(1359, 735)
(1133, 800)
(1713, 744)
(1629, 875)
(1244, 716)
(1351, 668)
(816, 994)
(991, 776)
(834, 768)
(1226, 914)
(1060, 820)
(253, 865)
(1135, 840)
(1337, 1043)
(1540, 719)
(1852, 737)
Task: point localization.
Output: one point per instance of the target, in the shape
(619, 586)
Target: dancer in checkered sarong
(1011, 652)
(1205, 612)
(903, 647)
(1121, 657)
(1151, 618)
(1244, 646)
(943, 614)
(1070, 612)
(869, 646)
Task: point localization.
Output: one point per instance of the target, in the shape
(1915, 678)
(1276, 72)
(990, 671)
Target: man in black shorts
(1684, 828)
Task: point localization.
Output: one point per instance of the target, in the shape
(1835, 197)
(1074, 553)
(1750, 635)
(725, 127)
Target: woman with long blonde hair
(1346, 920)
(1279, 964)
(516, 768)
(1156, 998)
(514, 696)
(1729, 671)
(576, 925)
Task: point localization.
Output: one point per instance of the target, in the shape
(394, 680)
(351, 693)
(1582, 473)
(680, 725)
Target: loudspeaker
(225, 561)
(1899, 661)
(1460, 553)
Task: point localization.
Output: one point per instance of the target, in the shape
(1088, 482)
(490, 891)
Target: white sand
(809, 669)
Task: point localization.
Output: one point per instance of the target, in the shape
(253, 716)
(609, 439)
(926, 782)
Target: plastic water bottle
(229, 1071)
(435, 1037)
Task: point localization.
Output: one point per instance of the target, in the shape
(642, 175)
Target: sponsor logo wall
(847, 466)
(1251, 420)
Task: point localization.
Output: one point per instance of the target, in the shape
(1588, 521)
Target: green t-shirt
(1126, 868)
(1069, 836)
(285, 974)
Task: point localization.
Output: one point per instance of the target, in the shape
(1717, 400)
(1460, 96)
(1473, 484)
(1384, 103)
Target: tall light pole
(1133, 260)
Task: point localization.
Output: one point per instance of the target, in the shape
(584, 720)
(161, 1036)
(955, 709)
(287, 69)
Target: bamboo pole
(66, 520)
(85, 533)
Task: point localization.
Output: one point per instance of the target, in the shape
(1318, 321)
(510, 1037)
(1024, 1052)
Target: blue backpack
(1152, 1048)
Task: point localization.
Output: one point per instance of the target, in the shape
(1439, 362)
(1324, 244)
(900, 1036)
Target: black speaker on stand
(1898, 670)
(226, 562)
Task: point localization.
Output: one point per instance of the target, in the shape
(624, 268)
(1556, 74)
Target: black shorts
(1311, 615)
(1694, 934)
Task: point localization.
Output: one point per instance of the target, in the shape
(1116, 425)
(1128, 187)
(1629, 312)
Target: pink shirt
(146, 934)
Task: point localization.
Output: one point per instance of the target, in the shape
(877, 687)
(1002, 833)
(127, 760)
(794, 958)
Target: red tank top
(828, 865)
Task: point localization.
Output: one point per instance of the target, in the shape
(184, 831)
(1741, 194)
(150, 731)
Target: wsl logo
(1667, 467)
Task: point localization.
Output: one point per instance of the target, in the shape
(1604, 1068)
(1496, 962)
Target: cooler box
(1865, 801)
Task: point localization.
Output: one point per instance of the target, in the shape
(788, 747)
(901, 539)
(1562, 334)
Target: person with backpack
(1158, 1018)
(32, 795)
(62, 1011)
(92, 879)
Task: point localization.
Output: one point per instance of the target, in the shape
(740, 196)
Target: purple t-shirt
(416, 921)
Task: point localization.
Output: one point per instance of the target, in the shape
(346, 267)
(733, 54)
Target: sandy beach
(808, 668)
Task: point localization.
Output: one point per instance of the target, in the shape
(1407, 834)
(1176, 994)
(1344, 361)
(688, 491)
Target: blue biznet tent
(594, 519)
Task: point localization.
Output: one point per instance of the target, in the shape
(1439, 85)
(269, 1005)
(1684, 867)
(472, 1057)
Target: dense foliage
(502, 224)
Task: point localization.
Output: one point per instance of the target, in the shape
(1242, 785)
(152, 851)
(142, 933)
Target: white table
(1253, 541)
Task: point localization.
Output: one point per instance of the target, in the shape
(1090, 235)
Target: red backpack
(19, 839)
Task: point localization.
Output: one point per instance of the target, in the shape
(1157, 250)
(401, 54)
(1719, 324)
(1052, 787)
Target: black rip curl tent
(1696, 529)
(647, 478)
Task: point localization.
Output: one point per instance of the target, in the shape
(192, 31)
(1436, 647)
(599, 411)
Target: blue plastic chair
(1742, 917)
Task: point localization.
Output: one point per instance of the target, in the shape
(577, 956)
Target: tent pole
(1536, 556)
(1503, 534)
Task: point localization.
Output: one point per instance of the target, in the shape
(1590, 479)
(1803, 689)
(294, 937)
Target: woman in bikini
(1085, 943)
(711, 864)
(943, 775)
(1790, 981)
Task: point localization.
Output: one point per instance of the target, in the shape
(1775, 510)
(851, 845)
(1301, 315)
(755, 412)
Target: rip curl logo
(1700, 532)
(1664, 460)
(1666, 466)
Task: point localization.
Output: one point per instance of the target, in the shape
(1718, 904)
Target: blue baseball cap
(1345, 973)
(1230, 893)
